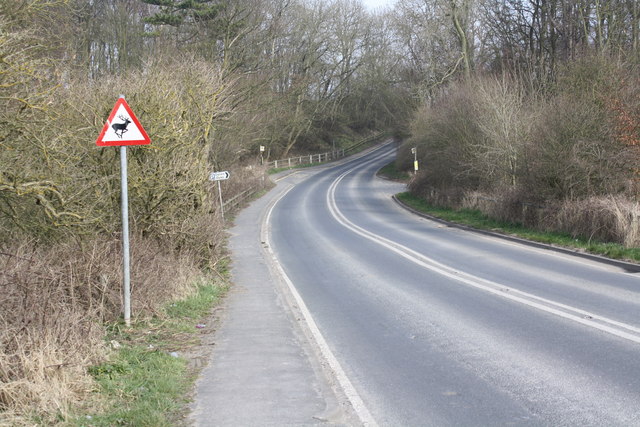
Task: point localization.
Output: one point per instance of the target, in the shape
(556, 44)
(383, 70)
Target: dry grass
(58, 299)
(614, 219)
(43, 370)
(55, 302)
(627, 213)
(509, 206)
(606, 218)
(49, 332)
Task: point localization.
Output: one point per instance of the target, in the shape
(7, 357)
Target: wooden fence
(310, 159)
(239, 198)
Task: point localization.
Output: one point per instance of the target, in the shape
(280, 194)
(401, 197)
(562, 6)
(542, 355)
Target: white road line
(619, 329)
(350, 391)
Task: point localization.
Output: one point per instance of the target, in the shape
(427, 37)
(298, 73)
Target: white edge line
(349, 390)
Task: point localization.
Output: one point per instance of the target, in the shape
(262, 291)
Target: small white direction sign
(218, 176)
(122, 128)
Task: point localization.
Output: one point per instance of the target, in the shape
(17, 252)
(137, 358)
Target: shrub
(608, 219)
(474, 136)
(571, 149)
(443, 134)
(55, 302)
(63, 185)
(574, 153)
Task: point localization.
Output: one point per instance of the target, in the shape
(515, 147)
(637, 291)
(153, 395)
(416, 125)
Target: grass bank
(477, 219)
(273, 171)
(147, 379)
(390, 171)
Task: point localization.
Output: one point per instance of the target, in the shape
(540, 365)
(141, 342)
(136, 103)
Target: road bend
(435, 325)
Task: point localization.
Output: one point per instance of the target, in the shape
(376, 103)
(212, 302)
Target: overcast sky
(373, 4)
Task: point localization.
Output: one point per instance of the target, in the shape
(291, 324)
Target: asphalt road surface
(434, 325)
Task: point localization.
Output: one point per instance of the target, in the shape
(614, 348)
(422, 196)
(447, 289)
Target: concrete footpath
(264, 370)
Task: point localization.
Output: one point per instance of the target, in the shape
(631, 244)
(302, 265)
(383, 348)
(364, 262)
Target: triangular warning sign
(122, 128)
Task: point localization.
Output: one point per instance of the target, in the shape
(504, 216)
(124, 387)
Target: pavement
(265, 369)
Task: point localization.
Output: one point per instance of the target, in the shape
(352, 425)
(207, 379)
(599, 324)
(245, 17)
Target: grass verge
(477, 219)
(146, 381)
(390, 171)
(298, 166)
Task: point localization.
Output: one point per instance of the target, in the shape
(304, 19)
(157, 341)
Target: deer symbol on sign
(121, 127)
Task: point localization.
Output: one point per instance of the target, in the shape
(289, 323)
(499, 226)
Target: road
(434, 325)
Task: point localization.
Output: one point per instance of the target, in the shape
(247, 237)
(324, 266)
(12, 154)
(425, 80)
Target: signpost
(414, 150)
(219, 176)
(122, 128)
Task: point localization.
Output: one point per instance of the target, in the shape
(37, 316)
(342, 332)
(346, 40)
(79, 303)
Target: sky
(374, 4)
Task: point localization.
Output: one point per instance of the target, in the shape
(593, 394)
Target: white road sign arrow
(219, 176)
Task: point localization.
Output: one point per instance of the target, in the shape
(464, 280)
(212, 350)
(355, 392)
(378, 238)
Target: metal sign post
(221, 204)
(128, 132)
(124, 202)
(219, 176)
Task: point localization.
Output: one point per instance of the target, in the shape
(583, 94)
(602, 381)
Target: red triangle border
(134, 119)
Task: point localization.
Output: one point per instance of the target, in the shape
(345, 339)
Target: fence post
(311, 158)
(289, 159)
(276, 164)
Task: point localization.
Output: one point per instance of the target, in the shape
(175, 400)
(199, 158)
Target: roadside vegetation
(391, 171)
(147, 379)
(478, 220)
(542, 125)
(208, 98)
(558, 160)
(530, 116)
